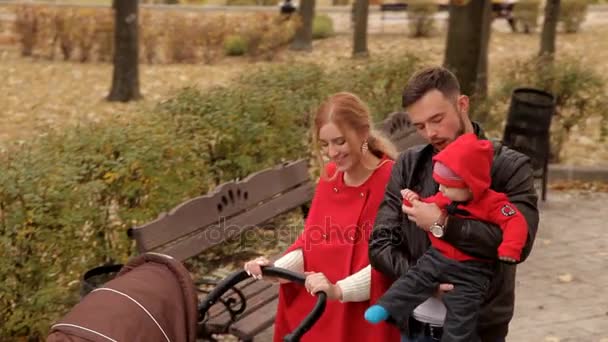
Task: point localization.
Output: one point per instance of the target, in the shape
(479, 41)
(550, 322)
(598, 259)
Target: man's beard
(461, 129)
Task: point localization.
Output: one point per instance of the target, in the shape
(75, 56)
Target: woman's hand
(316, 282)
(254, 267)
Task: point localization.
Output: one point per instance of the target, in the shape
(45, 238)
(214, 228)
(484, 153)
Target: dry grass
(39, 95)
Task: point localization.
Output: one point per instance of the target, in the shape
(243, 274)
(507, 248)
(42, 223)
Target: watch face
(436, 230)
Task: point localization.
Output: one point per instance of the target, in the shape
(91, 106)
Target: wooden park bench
(200, 223)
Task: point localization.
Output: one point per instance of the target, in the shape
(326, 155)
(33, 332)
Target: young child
(462, 171)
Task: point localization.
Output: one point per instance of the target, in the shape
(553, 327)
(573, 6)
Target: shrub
(235, 45)
(525, 13)
(243, 128)
(322, 27)
(379, 81)
(181, 39)
(421, 17)
(26, 26)
(66, 201)
(87, 34)
(251, 2)
(266, 34)
(152, 34)
(572, 14)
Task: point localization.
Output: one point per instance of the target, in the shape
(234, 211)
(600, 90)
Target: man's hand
(316, 282)
(443, 288)
(423, 214)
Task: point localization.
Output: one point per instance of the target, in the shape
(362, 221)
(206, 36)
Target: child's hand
(507, 259)
(409, 196)
(376, 314)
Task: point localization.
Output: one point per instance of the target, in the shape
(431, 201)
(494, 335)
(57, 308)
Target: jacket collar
(478, 131)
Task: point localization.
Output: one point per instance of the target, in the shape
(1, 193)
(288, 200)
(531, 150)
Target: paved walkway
(561, 289)
(561, 293)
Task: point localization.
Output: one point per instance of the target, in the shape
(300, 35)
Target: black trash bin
(97, 276)
(528, 126)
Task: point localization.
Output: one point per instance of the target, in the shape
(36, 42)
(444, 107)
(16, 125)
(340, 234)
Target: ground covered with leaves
(39, 95)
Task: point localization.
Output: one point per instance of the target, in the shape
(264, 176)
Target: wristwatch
(438, 228)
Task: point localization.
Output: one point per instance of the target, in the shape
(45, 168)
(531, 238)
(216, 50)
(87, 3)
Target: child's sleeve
(514, 229)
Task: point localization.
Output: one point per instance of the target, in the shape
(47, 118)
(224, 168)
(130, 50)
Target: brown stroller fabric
(152, 298)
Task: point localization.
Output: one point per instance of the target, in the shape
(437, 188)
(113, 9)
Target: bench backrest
(400, 131)
(230, 209)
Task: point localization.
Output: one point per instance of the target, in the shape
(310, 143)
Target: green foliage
(525, 13)
(243, 128)
(235, 45)
(421, 19)
(578, 88)
(67, 199)
(378, 81)
(322, 27)
(572, 14)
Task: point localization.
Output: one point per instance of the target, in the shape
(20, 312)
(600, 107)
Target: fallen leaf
(565, 278)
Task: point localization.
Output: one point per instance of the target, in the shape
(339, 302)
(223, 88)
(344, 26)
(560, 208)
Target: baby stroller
(153, 298)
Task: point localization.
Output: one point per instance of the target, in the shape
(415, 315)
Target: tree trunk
(547, 40)
(467, 44)
(125, 79)
(481, 85)
(360, 33)
(303, 37)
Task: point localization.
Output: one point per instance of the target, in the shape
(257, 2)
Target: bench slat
(248, 291)
(266, 335)
(225, 201)
(251, 325)
(254, 304)
(198, 242)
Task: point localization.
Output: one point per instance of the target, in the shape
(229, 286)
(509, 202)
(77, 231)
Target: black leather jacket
(396, 243)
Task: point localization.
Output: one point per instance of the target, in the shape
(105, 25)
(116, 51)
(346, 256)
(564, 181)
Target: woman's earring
(365, 147)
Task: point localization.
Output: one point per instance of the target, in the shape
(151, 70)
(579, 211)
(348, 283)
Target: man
(439, 112)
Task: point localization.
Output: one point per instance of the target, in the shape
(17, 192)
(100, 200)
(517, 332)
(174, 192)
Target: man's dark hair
(428, 79)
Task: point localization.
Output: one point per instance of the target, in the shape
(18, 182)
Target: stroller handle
(239, 276)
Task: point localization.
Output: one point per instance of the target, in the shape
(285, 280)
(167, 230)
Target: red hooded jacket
(335, 242)
(471, 159)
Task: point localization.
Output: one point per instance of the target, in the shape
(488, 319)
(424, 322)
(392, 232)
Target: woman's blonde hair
(349, 113)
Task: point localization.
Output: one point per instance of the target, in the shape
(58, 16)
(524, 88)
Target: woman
(333, 248)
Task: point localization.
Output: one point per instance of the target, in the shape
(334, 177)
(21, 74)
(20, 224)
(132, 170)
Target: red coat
(471, 159)
(335, 242)
(493, 207)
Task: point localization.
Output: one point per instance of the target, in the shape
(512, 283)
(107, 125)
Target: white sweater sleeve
(356, 287)
(293, 261)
